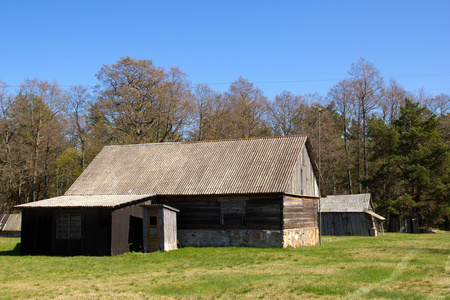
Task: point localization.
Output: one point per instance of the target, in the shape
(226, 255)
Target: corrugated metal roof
(261, 165)
(160, 206)
(10, 222)
(346, 203)
(86, 201)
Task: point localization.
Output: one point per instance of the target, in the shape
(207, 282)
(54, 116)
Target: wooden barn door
(153, 230)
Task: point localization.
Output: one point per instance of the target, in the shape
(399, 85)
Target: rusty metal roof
(260, 165)
(110, 201)
(348, 203)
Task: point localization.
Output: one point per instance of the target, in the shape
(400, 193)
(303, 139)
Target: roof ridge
(145, 144)
(210, 141)
(247, 139)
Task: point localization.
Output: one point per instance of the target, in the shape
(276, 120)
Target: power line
(418, 75)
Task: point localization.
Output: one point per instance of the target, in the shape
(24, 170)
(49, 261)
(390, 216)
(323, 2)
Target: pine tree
(413, 171)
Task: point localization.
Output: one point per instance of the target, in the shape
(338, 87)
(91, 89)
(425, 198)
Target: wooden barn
(258, 192)
(350, 215)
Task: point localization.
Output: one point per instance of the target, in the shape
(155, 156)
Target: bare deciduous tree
(248, 108)
(342, 95)
(285, 111)
(37, 110)
(394, 98)
(368, 86)
(76, 110)
(129, 97)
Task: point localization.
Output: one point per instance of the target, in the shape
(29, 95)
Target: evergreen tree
(413, 166)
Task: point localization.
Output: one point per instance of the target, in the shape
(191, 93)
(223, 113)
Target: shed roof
(261, 165)
(348, 203)
(88, 201)
(10, 222)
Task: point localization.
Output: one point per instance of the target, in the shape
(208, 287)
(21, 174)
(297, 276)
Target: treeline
(374, 136)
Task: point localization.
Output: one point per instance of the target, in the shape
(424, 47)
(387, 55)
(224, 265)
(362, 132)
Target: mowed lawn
(394, 266)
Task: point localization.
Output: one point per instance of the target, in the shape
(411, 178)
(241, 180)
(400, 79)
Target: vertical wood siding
(170, 230)
(340, 224)
(126, 229)
(303, 182)
(36, 232)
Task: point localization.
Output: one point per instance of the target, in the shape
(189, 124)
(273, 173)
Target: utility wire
(419, 75)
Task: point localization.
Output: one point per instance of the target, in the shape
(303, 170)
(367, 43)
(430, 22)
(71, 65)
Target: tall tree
(342, 95)
(8, 130)
(129, 96)
(247, 107)
(143, 103)
(284, 112)
(413, 153)
(175, 107)
(208, 110)
(36, 112)
(368, 86)
(394, 98)
(76, 110)
(439, 104)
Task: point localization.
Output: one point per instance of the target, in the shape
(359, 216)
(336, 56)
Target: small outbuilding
(260, 192)
(96, 225)
(350, 215)
(10, 225)
(160, 227)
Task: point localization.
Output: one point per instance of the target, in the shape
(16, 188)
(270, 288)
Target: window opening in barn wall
(68, 226)
(232, 212)
(152, 220)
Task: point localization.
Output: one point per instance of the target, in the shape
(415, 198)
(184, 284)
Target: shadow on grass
(13, 252)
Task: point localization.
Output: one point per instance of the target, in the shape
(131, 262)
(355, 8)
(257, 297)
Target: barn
(259, 192)
(350, 215)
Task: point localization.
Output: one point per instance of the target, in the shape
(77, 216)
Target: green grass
(395, 266)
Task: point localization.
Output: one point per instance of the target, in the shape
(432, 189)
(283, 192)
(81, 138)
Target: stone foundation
(249, 238)
(301, 237)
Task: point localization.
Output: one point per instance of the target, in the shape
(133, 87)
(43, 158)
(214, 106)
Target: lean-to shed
(258, 192)
(83, 225)
(350, 215)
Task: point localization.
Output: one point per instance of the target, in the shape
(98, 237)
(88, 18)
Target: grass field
(395, 266)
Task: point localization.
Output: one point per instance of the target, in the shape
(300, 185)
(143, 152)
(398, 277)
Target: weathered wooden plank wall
(36, 236)
(204, 212)
(303, 182)
(95, 233)
(170, 230)
(299, 212)
(126, 229)
(340, 224)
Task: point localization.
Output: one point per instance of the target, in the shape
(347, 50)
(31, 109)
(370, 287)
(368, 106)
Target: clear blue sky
(298, 46)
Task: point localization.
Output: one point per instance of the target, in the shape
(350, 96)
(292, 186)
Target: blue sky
(298, 46)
